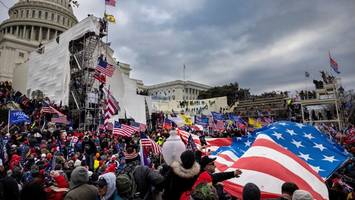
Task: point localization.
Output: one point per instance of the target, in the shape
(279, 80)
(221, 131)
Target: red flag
(110, 2)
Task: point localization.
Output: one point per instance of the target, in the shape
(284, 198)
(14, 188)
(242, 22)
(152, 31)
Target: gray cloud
(263, 45)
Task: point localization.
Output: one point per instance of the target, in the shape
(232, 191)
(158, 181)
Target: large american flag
(280, 152)
(104, 67)
(124, 130)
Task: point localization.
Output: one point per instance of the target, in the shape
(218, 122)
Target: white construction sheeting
(50, 71)
(132, 105)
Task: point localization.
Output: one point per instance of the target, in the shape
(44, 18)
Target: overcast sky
(263, 45)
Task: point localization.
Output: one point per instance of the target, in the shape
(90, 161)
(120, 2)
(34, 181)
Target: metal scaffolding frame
(85, 99)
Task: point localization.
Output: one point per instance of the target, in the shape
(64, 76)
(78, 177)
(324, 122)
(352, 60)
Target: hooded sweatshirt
(110, 179)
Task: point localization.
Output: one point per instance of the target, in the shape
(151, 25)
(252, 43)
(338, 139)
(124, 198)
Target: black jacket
(179, 180)
(148, 182)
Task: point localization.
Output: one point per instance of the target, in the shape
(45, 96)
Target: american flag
(112, 107)
(50, 110)
(218, 126)
(60, 120)
(295, 152)
(269, 165)
(104, 67)
(141, 127)
(333, 64)
(110, 2)
(124, 130)
(100, 77)
(150, 144)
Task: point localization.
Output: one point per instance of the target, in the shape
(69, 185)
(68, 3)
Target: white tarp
(50, 71)
(124, 90)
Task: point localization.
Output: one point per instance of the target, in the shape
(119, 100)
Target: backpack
(127, 187)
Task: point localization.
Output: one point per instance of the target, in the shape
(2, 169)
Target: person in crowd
(181, 176)
(251, 192)
(33, 190)
(204, 191)
(89, 150)
(301, 195)
(59, 188)
(79, 189)
(287, 190)
(107, 187)
(207, 174)
(9, 189)
(149, 183)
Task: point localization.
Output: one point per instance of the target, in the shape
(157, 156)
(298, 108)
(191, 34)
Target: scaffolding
(326, 96)
(85, 101)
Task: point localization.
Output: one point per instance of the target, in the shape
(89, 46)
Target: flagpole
(8, 122)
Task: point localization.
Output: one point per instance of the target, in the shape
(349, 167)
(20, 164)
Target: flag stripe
(279, 171)
(273, 185)
(269, 165)
(289, 157)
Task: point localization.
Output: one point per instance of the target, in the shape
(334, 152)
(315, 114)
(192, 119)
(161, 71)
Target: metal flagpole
(8, 121)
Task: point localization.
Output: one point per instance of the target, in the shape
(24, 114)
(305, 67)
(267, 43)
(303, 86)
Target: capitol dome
(38, 20)
(31, 23)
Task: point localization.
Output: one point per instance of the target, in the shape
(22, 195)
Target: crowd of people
(45, 161)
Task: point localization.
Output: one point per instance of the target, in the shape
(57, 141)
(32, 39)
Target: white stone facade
(31, 23)
(192, 107)
(176, 90)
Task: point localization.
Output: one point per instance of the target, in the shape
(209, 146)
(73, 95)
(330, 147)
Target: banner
(17, 117)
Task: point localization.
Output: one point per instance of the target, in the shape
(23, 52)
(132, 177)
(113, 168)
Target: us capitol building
(31, 23)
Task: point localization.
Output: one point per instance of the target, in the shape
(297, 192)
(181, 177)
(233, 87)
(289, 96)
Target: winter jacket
(58, 190)
(145, 180)
(110, 179)
(179, 180)
(84, 191)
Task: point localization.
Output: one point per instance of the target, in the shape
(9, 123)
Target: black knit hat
(205, 161)
(251, 192)
(188, 159)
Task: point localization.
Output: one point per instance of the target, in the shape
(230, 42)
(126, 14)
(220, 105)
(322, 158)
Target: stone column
(55, 34)
(40, 34)
(11, 28)
(32, 35)
(48, 32)
(24, 32)
(16, 31)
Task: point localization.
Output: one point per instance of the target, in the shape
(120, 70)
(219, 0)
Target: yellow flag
(110, 18)
(251, 121)
(187, 119)
(258, 124)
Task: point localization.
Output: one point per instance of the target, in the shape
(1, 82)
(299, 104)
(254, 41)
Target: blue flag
(217, 116)
(203, 121)
(17, 117)
(308, 143)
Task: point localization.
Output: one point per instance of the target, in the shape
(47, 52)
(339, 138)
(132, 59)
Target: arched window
(33, 13)
(40, 14)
